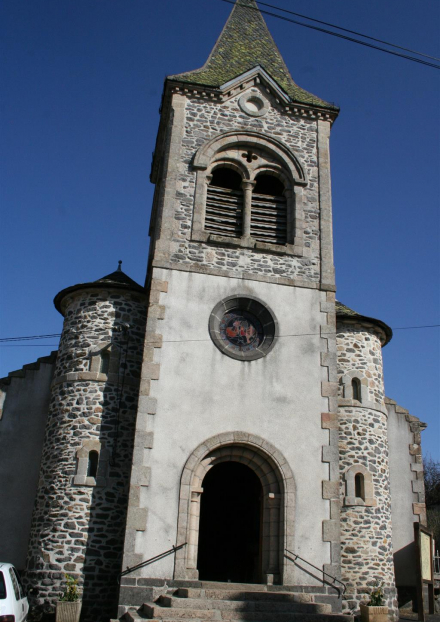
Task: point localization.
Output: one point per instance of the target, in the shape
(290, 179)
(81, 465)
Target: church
(217, 443)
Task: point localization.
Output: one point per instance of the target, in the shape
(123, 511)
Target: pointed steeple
(244, 43)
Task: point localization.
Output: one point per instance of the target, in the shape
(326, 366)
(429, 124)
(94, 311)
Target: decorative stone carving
(253, 104)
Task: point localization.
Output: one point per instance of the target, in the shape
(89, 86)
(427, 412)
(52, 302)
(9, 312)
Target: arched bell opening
(225, 471)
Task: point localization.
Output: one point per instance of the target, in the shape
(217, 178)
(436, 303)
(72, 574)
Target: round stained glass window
(243, 327)
(242, 330)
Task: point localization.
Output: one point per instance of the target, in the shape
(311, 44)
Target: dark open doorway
(230, 525)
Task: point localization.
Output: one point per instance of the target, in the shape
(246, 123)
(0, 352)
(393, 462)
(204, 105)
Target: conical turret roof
(344, 312)
(114, 280)
(245, 42)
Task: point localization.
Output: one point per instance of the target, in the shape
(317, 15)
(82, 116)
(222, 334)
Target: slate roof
(342, 311)
(244, 43)
(114, 280)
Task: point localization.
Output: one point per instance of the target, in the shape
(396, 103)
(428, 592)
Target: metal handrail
(436, 563)
(150, 561)
(331, 583)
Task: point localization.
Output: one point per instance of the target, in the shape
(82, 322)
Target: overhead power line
(353, 32)
(29, 345)
(8, 340)
(339, 35)
(411, 327)
(30, 337)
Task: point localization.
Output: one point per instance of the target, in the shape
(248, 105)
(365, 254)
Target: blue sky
(82, 82)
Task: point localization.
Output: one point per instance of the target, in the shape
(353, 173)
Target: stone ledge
(347, 403)
(368, 502)
(90, 376)
(245, 276)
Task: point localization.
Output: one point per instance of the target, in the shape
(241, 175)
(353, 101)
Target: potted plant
(69, 605)
(375, 610)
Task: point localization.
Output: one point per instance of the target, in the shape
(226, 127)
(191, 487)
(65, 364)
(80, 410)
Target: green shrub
(70, 593)
(376, 596)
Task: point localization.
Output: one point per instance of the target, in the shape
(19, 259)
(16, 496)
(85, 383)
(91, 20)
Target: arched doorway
(277, 502)
(230, 530)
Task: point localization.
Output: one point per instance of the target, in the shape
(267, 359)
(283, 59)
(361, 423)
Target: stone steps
(235, 594)
(134, 615)
(243, 604)
(223, 602)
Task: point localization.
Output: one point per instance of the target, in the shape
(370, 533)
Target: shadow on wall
(405, 571)
(108, 508)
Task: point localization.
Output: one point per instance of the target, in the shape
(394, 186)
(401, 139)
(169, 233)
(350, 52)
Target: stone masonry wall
(205, 119)
(79, 529)
(360, 350)
(366, 536)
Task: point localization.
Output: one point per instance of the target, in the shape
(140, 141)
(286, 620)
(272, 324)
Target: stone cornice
(278, 280)
(89, 376)
(347, 403)
(219, 96)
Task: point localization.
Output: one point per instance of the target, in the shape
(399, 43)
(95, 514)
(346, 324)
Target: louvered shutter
(224, 212)
(269, 218)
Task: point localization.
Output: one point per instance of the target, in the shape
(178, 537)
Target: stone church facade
(231, 405)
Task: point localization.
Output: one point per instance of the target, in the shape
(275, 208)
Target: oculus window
(243, 327)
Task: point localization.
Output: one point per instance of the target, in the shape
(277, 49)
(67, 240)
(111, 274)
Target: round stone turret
(82, 498)
(366, 543)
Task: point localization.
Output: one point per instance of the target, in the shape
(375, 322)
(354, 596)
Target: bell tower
(240, 352)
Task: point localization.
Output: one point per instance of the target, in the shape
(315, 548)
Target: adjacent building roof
(344, 312)
(244, 43)
(115, 280)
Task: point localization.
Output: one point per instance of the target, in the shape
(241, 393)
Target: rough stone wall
(360, 350)
(205, 119)
(366, 529)
(78, 529)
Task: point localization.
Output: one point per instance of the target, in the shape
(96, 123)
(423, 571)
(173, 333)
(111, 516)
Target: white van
(14, 606)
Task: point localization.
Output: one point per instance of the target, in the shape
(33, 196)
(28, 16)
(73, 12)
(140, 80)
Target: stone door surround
(278, 486)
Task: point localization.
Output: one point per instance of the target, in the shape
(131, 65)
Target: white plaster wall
(21, 444)
(201, 393)
(402, 496)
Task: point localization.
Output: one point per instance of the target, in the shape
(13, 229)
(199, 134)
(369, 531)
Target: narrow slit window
(92, 467)
(356, 386)
(269, 210)
(359, 486)
(104, 363)
(224, 204)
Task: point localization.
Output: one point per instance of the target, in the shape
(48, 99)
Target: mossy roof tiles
(245, 43)
(342, 311)
(115, 280)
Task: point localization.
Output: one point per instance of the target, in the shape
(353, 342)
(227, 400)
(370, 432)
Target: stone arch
(276, 148)
(272, 156)
(278, 486)
(269, 169)
(229, 163)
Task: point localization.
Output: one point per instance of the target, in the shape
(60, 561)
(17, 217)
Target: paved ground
(413, 616)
